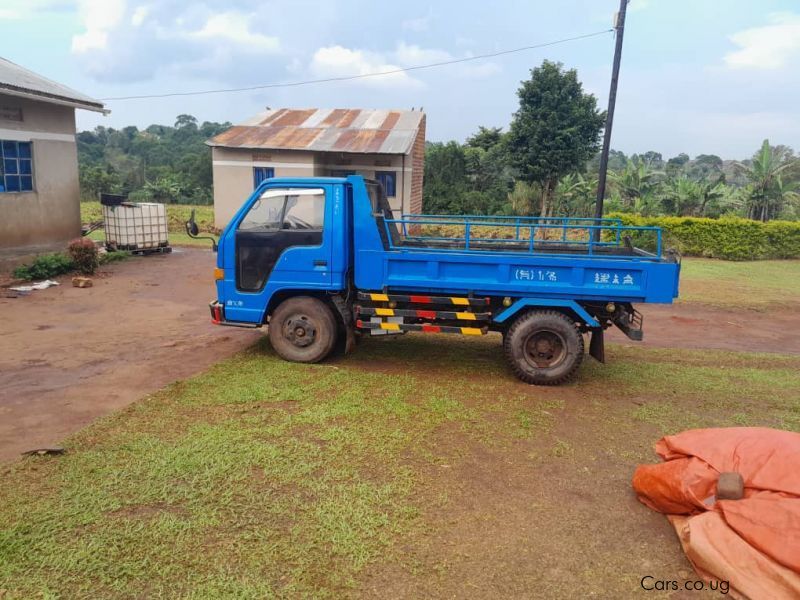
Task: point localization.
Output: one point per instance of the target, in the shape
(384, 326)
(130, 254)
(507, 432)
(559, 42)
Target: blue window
(16, 166)
(388, 179)
(262, 173)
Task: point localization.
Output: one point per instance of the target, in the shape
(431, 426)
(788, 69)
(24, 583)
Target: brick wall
(417, 169)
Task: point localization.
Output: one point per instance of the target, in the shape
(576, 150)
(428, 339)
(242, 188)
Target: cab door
(281, 242)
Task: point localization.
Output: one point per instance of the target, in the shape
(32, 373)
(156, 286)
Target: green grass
(756, 285)
(261, 478)
(256, 478)
(176, 238)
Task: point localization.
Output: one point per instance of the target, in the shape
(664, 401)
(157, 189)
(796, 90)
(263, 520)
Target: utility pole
(619, 27)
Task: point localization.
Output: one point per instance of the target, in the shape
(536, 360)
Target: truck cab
(320, 260)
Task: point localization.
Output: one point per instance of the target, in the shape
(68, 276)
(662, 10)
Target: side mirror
(192, 230)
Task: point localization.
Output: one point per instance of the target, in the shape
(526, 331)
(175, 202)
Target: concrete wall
(233, 173)
(49, 216)
(369, 164)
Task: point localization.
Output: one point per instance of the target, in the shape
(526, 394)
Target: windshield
(286, 208)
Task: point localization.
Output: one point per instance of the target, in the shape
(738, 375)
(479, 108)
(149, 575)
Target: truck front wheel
(544, 347)
(302, 329)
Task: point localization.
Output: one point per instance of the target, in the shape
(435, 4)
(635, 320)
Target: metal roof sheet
(19, 81)
(325, 130)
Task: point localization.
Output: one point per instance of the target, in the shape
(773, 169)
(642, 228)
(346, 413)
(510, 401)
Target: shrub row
(80, 258)
(729, 238)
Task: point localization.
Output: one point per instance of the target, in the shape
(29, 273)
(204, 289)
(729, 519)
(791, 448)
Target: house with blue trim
(387, 145)
(39, 192)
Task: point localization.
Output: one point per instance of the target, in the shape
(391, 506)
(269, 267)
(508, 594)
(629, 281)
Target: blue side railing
(567, 236)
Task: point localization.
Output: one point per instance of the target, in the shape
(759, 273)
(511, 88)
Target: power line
(364, 75)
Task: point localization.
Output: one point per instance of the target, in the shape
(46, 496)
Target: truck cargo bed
(581, 259)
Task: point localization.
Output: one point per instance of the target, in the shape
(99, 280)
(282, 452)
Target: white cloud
(767, 47)
(130, 40)
(234, 27)
(338, 61)
(99, 18)
(139, 15)
(410, 55)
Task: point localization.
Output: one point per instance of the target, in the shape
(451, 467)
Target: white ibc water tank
(136, 226)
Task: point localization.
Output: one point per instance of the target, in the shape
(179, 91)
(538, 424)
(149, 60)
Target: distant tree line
(545, 164)
(160, 163)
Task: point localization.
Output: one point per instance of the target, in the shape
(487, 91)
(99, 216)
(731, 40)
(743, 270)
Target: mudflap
(597, 347)
(347, 319)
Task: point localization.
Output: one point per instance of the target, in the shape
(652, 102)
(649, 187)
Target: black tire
(302, 329)
(544, 347)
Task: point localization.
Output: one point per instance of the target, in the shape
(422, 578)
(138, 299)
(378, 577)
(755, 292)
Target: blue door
(281, 241)
(262, 173)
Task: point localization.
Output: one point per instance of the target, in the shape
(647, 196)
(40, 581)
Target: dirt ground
(684, 325)
(72, 355)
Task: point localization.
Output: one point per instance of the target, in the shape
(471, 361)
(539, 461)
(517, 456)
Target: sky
(698, 76)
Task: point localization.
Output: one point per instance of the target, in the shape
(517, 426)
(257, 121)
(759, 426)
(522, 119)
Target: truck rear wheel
(302, 329)
(544, 347)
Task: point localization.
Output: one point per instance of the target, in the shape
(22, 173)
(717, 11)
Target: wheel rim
(300, 330)
(545, 349)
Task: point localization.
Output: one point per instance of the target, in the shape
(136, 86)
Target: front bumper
(218, 317)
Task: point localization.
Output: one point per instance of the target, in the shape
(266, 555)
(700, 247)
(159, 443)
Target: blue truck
(322, 261)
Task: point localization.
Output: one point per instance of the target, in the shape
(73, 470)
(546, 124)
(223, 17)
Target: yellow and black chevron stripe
(424, 327)
(422, 314)
(421, 299)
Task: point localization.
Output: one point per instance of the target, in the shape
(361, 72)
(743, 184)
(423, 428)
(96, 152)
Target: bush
(84, 254)
(729, 238)
(45, 267)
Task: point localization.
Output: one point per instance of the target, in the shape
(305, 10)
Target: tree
(682, 196)
(635, 182)
(653, 159)
(445, 178)
(186, 122)
(523, 197)
(676, 163)
(170, 163)
(768, 192)
(575, 195)
(486, 138)
(555, 130)
(706, 166)
(616, 162)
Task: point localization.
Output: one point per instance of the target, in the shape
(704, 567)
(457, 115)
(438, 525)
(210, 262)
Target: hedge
(729, 238)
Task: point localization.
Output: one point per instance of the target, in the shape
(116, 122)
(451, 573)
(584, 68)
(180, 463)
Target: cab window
(286, 209)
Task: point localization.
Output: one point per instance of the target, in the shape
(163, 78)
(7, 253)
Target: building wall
(368, 165)
(233, 173)
(417, 170)
(49, 216)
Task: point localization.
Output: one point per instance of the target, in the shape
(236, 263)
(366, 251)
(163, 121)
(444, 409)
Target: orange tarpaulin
(754, 542)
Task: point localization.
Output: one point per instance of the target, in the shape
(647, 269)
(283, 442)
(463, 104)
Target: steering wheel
(296, 223)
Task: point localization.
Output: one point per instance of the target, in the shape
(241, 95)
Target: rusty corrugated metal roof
(325, 130)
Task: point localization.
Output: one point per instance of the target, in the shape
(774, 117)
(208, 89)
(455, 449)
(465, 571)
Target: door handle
(320, 263)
